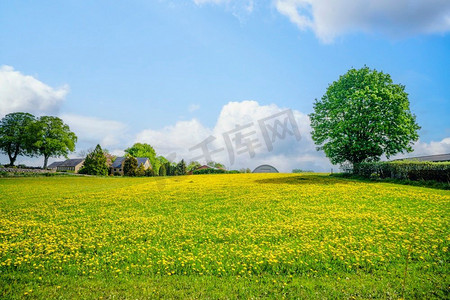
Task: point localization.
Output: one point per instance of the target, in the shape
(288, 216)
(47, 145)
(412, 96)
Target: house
(265, 169)
(204, 167)
(433, 158)
(73, 165)
(54, 165)
(117, 165)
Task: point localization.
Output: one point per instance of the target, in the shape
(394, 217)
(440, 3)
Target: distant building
(265, 169)
(73, 164)
(433, 158)
(54, 165)
(117, 165)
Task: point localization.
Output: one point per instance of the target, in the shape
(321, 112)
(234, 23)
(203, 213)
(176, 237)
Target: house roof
(435, 158)
(119, 160)
(142, 160)
(71, 162)
(54, 164)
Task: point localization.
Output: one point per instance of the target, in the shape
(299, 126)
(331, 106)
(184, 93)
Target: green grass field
(221, 236)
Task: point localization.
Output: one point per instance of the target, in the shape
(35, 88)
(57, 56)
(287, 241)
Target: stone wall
(20, 170)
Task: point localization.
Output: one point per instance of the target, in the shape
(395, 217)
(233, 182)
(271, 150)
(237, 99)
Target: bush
(130, 166)
(410, 170)
(149, 172)
(140, 171)
(209, 171)
(302, 171)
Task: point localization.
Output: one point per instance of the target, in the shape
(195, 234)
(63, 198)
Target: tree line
(99, 161)
(361, 117)
(22, 134)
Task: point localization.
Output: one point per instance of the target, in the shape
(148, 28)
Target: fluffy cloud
(431, 148)
(19, 92)
(175, 139)
(287, 152)
(329, 19)
(91, 131)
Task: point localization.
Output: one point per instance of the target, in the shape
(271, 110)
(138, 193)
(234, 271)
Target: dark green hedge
(209, 171)
(411, 170)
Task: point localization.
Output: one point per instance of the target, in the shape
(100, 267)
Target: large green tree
(53, 138)
(193, 165)
(215, 164)
(362, 116)
(144, 150)
(16, 137)
(95, 162)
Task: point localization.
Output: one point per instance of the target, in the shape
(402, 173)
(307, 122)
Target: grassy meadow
(222, 236)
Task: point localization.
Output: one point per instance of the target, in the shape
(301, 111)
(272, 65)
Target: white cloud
(287, 153)
(329, 19)
(177, 138)
(92, 131)
(24, 93)
(421, 148)
(193, 107)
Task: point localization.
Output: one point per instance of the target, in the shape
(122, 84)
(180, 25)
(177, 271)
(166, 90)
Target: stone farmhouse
(73, 165)
(54, 165)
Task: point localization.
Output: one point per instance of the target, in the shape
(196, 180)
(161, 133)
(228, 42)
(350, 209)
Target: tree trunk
(45, 162)
(12, 159)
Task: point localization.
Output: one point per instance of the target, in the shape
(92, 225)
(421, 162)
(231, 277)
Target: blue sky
(165, 72)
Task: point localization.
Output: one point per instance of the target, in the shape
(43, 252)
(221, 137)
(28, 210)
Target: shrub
(140, 171)
(149, 172)
(129, 166)
(411, 170)
(209, 171)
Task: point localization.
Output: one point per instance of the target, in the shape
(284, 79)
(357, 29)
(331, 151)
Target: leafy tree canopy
(16, 137)
(362, 116)
(215, 164)
(193, 165)
(53, 138)
(144, 150)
